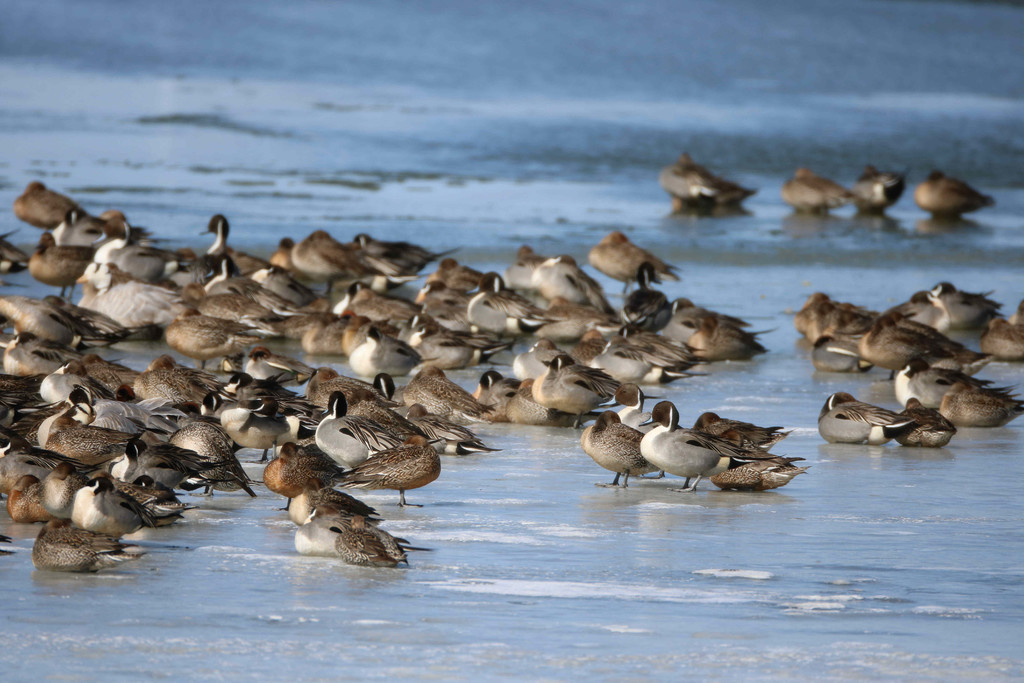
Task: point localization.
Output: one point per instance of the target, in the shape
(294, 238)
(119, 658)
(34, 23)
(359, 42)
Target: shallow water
(481, 128)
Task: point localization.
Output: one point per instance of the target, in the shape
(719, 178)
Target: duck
(837, 355)
(924, 308)
(257, 423)
(223, 471)
(165, 379)
(163, 463)
(687, 318)
(24, 501)
(325, 335)
(59, 266)
(26, 355)
(632, 414)
(893, 341)
(495, 391)
(590, 346)
(59, 384)
(499, 310)
(932, 430)
(42, 207)
(141, 261)
(325, 381)
(449, 350)
(288, 474)
(929, 383)
(397, 258)
(694, 187)
(718, 341)
(219, 227)
(532, 363)
(573, 388)
(100, 507)
(1003, 340)
(844, 419)
(808, 192)
(59, 489)
(759, 475)
(821, 315)
(60, 547)
(12, 259)
(455, 276)
(569, 321)
(690, 454)
(279, 280)
(317, 535)
(321, 258)
(747, 433)
(432, 389)
(362, 300)
(646, 308)
(412, 465)
(624, 362)
(315, 496)
(615, 447)
(519, 275)
(967, 405)
(522, 408)
(382, 353)
(448, 437)
(946, 197)
(350, 439)
(262, 363)
(366, 545)
(966, 310)
(203, 338)
(875, 191)
(79, 229)
(560, 277)
(130, 302)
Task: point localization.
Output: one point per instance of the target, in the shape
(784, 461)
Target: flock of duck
(95, 450)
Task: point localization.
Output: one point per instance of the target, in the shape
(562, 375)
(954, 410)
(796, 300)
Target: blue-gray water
(484, 127)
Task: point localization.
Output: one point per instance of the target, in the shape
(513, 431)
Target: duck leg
(614, 484)
(689, 489)
(401, 500)
(264, 458)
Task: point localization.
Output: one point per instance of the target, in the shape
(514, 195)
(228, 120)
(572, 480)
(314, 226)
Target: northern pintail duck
(86, 445)
(647, 307)
(432, 389)
(18, 458)
(947, 197)
(924, 308)
(26, 354)
(265, 364)
(589, 347)
(324, 335)
(163, 378)
(966, 405)
(573, 388)
(929, 383)
(820, 315)
(448, 437)
(79, 229)
(497, 309)
(59, 547)
(395, 258)
(279, 281)
(315, 495)
(450, 350)
(808, 192)
(931, 429)
(455, 276)
(46, 319)
(164, 463)
(717, 341)
(966, 310)
(632, 414)
(203, 338)
(837, 355)
(894, 341)
(12, 259)
(560, 277)
(495, 392)
(288, 474)
(1003, 340)
(743, 433)
(692, 186)
(317, 535)
(615, 447)
(409, 466)
(625, 362)
(349, 439)
(522, 408)
(519, 275)
(209, 440)
(59, 489)
(361, 300)
(382, 353)
(25, 501)
(219, 227)
(691, 454)
(532, 363)
(687, 318)
(325, 381)
(844, 419)
(758, 475)
(58, 385)
(58, 266)
(42, 207)
(875, 190)
(141, 261)
(282, 256)
(132, 303)
(321, 258)
(366, 545)
(569, 321)
(257, 423)
(113, 375)
(100, 507)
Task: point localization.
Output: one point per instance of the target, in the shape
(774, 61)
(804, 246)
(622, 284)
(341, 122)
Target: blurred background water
(485, 126)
